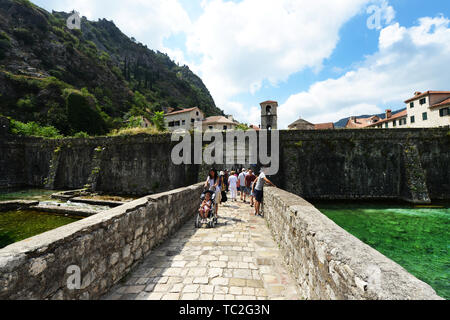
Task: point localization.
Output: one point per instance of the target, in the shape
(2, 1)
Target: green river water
(416, 238)
(19, 225)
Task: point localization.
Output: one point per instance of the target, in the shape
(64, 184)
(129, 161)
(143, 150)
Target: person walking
(232, 182)
(249, 178)
(258, 187)
(225, 180)
(213, 183)
(242, 183)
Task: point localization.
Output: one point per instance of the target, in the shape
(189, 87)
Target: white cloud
(246, 43)
(408, 60)
(149, 21)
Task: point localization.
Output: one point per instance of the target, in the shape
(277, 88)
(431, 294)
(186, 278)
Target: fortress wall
(330, 263)
(105, 247)
(365, 164)
(132, 165)
(326, 164)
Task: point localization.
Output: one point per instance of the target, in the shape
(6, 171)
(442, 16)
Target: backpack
(224, 197)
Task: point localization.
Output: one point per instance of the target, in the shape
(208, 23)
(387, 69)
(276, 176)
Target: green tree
(158, 121)
(83, 113)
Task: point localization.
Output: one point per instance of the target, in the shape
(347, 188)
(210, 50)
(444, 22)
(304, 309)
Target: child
(205, 207)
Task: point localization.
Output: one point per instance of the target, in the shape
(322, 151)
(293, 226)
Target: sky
(321, 60)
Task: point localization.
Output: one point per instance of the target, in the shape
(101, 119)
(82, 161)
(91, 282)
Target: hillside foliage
(91, 80)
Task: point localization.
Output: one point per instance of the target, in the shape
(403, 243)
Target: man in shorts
(241, 179)
(258, 189)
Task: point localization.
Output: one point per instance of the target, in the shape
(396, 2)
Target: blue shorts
(248, 190)
(259, 195)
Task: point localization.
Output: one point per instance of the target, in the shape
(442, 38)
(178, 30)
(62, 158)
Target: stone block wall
(105, 247)
(365, 164)
(128, 165)
(330, 263)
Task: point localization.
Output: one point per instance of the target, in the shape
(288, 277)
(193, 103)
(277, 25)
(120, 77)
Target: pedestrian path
(237, 260)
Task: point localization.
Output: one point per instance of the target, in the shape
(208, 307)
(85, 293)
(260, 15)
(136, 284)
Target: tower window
(269, 110)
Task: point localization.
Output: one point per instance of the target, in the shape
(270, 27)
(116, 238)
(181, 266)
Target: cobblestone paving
(237, 260)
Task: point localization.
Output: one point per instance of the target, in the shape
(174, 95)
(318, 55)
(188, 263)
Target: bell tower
(269, 115)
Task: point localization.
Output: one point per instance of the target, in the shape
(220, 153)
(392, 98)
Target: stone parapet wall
(330, 263)
(105, 247)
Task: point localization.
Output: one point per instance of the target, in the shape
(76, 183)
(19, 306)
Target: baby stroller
(212, 219)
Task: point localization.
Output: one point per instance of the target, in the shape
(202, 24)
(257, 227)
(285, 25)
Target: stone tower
(269, 115)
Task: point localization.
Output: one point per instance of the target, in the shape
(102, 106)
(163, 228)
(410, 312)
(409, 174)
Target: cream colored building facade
(219, 123)
(183, 119)
(428, 110)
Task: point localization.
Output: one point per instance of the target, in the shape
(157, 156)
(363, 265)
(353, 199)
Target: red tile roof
(218, 119)
(441, 104)
(360, 123)
(426, 94)
(324, 126)
(181, 111)
(268, 101)
(402, 114)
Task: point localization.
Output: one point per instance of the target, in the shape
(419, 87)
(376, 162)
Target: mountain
(343, 122)
(48, 71)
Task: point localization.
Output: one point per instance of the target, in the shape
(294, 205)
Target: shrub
(26, 103)
(23, 34)
(158, 121)
(34, 129)
(81, 135)
(5, 44)
(134, 131)
(83, 113)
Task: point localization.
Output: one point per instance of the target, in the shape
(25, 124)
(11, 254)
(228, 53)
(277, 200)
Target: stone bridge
(149, 249)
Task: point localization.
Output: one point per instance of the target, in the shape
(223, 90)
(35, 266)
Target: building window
(444, 112)
(171, 124)
(386, 125)
(413, 119)
(225, 128)
(183, 122)
(423, 101)
(210, 127)
(411, 105)
(192, 120)
(395, 123)
(177, 123)
(424, 116)
(402, 121)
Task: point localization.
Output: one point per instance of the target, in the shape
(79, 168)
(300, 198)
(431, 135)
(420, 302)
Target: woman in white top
(232, 182)
(213, 183)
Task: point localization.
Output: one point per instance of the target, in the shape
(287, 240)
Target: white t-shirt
(242, 178)
(232, 181)
(211, 184)
(260, 183)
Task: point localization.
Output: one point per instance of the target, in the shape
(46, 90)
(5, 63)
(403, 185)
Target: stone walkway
(237, 260)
